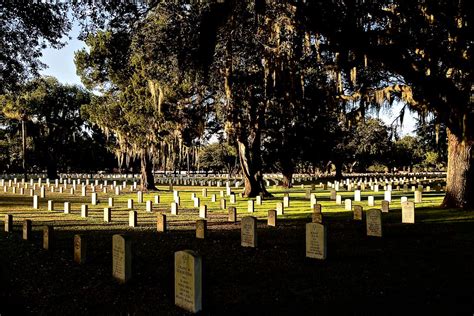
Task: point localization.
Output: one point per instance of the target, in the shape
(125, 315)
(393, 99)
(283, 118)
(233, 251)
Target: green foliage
(103, 65)
(431, 159)
(56, 130)
(219, 157)
(370, 142)
(147, 102)
(27, 28)
(432, 137)
(407, 152)
(378, 168)
(10, 147)
(178, 57)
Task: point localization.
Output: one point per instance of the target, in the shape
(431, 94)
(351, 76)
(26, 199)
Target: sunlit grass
(20, 206)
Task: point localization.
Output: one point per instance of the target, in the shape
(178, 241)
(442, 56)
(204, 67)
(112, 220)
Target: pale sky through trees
(61, 62)
(61, 65)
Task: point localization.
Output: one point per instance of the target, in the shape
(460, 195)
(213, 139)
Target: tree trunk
(52, 169)
(229, 171)
(146, 174)
(23, 148)
(51, 162)
(338, 166)
(460, 175)
(287, 179)
(253, 180)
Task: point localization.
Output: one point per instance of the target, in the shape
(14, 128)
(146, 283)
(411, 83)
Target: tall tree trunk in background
(287, 179)
(287, 170)
(50, 154)
(52, 168)
(338, 165)
(285, 163)
(146, 173)
(253, 177)
(247, 129)
(23, 148)
(460, 175)
(228, 168)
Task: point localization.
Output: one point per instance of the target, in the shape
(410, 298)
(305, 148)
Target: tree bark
(23, 148)
(338, 166)
(253, 178)
(52, 169)
(50, 155)
(146, 174)
(460, 174)
(287, 179)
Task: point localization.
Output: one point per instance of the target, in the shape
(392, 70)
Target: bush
(377, 168)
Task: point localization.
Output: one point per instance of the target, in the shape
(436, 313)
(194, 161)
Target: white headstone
(84, 210)
(348, 205)
(67, 207)
(203, 211)
(408, 212)
(121, 258)
(132, 218)
(371, 201)
(35, 202)
(94, 200)
(248, 231)
(250, 206)
(107, 214)
(357, 196)
(188, 280)
(174, 208)
(79, 249)
(286, 201)
(280, 208)
(149, 206)
(316, 241)
(418, 196)
(374, 222)
(197, 202)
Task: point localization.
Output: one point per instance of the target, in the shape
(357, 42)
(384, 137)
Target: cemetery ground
(427, 265)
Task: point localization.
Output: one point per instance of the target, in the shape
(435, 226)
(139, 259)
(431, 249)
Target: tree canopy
(58, 135)
(26, 30)
(289, 83)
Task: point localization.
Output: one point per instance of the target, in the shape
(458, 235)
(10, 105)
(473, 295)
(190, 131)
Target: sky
(61, 65)
(60, 62)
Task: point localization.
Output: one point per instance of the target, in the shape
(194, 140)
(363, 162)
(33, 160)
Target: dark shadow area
(427, 264)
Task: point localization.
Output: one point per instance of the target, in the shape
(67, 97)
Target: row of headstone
(188, 265)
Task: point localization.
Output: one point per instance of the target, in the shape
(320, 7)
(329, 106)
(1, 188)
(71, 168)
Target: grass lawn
(424, 265)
